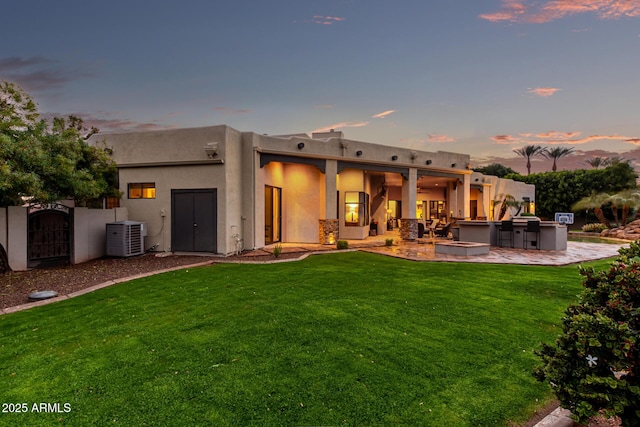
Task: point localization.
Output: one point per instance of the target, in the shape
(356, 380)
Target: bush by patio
(594, 364)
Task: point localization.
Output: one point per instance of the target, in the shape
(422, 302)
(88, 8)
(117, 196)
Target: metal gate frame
(50, 243)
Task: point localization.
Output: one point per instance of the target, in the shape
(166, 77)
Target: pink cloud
(324, 106)
(557, 136)
(553, 138)
(544, 91)
(525, 11)
(341, 125)
(506, 139)
(383, 114)
(326, 20)
(440, 138)
(600, 138)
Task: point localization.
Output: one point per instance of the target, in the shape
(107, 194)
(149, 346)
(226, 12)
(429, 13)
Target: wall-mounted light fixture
(453, 165)
(413, 155)
(428, 162)
(211, 149)
(359, 153)
(394, 158)
(300, 145)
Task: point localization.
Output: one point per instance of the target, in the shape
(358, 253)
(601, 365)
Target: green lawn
(338, 339)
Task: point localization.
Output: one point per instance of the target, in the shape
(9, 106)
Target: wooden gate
(49, 240)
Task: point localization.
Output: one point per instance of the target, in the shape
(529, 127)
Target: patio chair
(533, 227)
(444, 231)
(420, 230)
(432, 227)
(506, 227)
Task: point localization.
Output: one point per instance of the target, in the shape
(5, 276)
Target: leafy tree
(528, 152)
(594, 364)
(45, 163)
(559, 191)
(555, 154)
(495, 169)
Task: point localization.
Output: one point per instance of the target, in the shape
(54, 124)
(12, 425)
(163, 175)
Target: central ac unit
(125, 238)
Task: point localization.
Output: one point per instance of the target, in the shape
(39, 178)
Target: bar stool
(532, 227)
(505, 227)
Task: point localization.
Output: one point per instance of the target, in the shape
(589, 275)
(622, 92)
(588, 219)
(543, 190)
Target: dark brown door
(193, 220)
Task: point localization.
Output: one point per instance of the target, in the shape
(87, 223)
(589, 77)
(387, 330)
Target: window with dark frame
(356, 212)
(142, 190)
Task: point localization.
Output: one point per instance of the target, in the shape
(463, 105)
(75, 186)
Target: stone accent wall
(409, 229)
(630, 231)
(326, 228)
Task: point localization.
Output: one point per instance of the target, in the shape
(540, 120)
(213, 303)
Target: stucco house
(197, 189)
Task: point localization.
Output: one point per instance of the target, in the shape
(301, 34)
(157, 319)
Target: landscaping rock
(630, 231)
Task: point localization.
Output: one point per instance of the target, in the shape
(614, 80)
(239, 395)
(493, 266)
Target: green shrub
(594, 364)
(342, 244)
(277, 250)
(388, 242)
(594, 227)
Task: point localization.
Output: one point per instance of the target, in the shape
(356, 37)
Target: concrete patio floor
(424, 250)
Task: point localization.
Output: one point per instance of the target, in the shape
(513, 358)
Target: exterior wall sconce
(211, 149)
(428, 162)
(453, 165)
(413, 155)
(394, 158)
(300, 145)
(359, 153)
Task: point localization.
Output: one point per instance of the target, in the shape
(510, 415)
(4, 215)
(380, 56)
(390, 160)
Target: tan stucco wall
(17, 237)
(89, 232)
(351, 180)
(169, 178)
(495, 188)
(301, 203)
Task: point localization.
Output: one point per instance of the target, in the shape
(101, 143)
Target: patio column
(464, 197)
(409, 222)
(329, 228)
(486, 201)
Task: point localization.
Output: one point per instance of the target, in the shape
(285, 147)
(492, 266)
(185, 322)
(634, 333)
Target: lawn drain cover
(42, 295)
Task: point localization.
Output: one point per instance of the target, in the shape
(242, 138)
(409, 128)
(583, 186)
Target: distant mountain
(576, 160)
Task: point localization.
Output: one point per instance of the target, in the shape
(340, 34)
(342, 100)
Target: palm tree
(598, 162)
(626, 200)
(528, 152)
(555, 154)
(506, 201)
(616, 160)
(595, 201)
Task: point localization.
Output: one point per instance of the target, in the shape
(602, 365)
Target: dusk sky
(481, 77)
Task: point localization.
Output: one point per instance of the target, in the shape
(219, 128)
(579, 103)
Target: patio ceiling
(395, 180)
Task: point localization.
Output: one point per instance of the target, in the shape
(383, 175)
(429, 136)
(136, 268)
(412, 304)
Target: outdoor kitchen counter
(553, 235)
